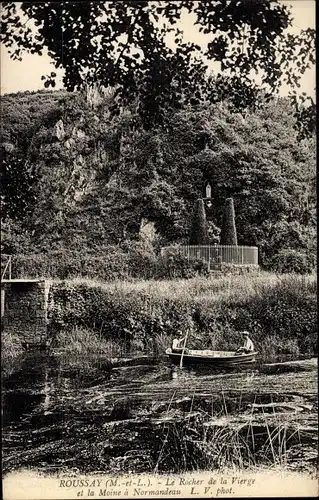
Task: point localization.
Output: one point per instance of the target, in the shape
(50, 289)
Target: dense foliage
(110, 263)
(139, 48)
(91, 179)
(22, 116)
(281, 313)
(149, 124)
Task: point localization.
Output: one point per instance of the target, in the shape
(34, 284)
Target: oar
(185, 340)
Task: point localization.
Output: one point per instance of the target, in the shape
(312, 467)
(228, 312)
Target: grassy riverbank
(144, 316)
(112, 319)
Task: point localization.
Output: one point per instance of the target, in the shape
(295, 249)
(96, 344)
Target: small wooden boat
(214, 358)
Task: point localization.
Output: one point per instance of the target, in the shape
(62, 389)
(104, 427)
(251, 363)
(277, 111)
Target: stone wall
(25, 310)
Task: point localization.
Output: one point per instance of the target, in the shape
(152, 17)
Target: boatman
(177, 344)
(248, 344)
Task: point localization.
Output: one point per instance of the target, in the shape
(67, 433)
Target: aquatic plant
(128, 422)
(81, 341)
(11, 352)
(11, 345)
(238, 438)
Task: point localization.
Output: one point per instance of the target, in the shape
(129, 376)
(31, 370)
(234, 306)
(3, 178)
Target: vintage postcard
(158, 249)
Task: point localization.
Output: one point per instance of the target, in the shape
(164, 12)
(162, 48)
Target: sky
(26, 75)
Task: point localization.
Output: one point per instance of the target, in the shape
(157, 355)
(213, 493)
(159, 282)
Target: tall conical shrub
(228, 235)
(198, 233)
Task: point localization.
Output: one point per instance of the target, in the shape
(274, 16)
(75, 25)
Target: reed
(11, 346)
(83, 342)
(215, 442)
(11, 352)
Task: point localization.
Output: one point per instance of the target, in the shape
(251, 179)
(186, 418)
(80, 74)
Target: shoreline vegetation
(111, 320)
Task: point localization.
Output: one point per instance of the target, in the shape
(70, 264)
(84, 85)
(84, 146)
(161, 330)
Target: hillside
(75, 176)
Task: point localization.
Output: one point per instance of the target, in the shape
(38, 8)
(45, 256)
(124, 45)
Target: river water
(80, 415)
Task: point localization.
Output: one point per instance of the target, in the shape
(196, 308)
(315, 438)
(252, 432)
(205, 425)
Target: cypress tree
(198, 233)
(228, 235)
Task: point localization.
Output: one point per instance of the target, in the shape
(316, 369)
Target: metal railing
(6, 266)
(215, 254)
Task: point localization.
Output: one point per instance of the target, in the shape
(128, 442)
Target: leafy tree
(228, 235)
(256, 159)
(124, 45)
(213, 233)
(94, 185)
(290, 260)
(16, 182)
(198, 233)
(22, 116)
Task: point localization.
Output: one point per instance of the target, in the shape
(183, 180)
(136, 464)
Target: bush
(291, 261)
(177, 265)
(237, 269)
(113, 263)
(12, 353)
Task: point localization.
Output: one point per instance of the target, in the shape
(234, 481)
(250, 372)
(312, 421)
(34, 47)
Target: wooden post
(185, 340)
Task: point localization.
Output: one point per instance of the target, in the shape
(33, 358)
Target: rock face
(93, 95)
(147, 231)
(59, 130)
(96, 94)
(8, 147)
(76, 170)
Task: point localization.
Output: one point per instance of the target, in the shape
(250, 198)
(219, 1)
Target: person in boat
(177, 344)
(248, 346)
